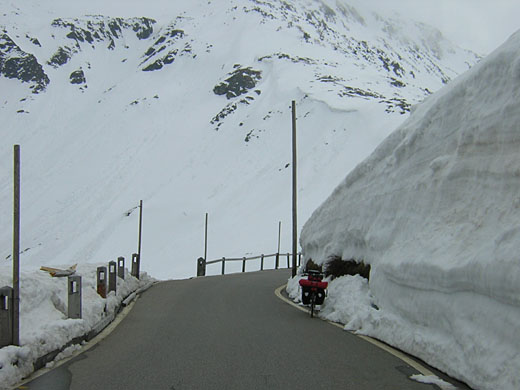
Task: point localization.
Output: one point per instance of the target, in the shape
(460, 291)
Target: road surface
(228, 332)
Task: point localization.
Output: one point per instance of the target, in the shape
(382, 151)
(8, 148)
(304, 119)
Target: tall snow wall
(436, 211)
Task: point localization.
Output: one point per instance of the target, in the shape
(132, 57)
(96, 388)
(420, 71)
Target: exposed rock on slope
(17, 64)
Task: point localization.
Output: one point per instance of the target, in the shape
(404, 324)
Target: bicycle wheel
(313, 302)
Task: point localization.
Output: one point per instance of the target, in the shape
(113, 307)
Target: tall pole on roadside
(294, 192)
(206, 239)
(16, 248)
(279, 235)
(140, 229)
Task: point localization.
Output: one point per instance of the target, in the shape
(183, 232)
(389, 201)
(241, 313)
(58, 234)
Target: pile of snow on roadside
(44, 326)
(435, 211)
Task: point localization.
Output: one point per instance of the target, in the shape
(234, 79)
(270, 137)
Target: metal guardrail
(202, 264)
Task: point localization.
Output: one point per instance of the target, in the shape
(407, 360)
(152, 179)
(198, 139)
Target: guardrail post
(223, 265)
(112, 276)
(288, 261)
(277, 261)
(74, 301)
(243, 264)
(6, 316)
(135, 265)
(201, 267)
(121, 267)
(102, 281)
(262, 262)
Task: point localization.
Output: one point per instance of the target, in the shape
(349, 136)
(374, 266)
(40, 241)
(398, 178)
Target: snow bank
(432, 379)
(44, 326)
(435, 211)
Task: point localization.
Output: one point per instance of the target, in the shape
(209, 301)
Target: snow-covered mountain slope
(187, 106)
(435, 211)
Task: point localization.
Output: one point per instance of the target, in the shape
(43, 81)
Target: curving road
(227, 332)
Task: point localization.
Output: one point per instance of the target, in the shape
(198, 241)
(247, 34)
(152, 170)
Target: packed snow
(434, 380)
(91, 151)
(435, 211)
(44, 324)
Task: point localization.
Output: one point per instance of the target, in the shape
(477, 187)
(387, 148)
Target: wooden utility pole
(16, 248)
(279, 235)
(206, 239)
(294, 192)
(140, 230)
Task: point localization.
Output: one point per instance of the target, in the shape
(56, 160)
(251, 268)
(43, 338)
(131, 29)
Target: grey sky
(478, 25)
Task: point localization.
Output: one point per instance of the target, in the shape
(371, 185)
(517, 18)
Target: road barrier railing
(202, 263)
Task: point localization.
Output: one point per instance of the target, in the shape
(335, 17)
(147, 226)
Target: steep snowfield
(435, 211)
(128, 112)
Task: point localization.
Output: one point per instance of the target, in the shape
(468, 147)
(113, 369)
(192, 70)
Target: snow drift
(435, 211)
(44, 324)
(138, 100)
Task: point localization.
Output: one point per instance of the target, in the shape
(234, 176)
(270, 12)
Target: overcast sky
(478, 25)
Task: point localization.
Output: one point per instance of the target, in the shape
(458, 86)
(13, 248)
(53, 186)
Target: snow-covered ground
(435, 211)
(44, 326)
(91, 151)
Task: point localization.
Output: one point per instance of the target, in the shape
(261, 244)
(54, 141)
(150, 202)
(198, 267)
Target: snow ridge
(434, 209)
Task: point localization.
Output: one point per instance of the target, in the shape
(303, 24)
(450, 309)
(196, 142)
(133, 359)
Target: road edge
(87, 341)
(398, 354)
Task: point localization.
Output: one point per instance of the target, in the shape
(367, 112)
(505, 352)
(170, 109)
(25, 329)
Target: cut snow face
(435, 211)
(129, 97)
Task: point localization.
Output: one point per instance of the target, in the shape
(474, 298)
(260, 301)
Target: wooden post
(201, 267)
(243, 264)
(102, 281)
(74, 297)
(136, 265)
(121, 267)
(206, 239)
(6, 316)
(16, 248)
(140, 229)
(279, 242)
(262, 262)
(112, 276)
(223, 265)
(294, 190)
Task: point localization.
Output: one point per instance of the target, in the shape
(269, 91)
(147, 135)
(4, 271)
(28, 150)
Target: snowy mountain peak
(116, 104)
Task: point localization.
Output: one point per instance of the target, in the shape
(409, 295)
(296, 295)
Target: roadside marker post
(201, 267)
(102, 281)
(6, 316)
(135, 265)
(74, 301)
(121, 267)
(112, 276)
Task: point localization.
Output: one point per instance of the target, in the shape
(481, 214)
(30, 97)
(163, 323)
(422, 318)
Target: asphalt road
(228, 332)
